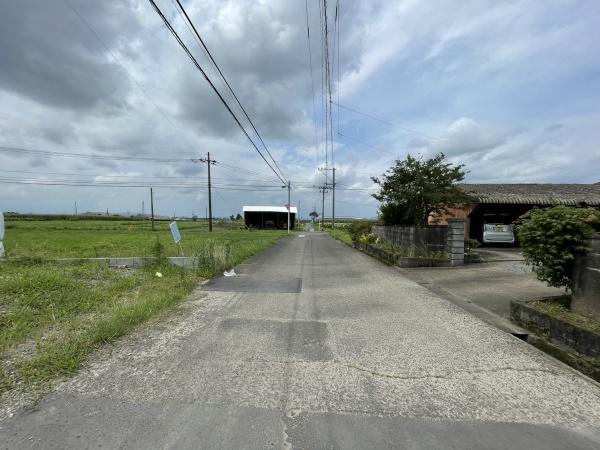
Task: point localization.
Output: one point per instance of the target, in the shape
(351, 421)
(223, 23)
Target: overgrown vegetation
(414, 189)
(411, 251)
(52, 315)
(559, 309)
(551, 239)
(358, 228)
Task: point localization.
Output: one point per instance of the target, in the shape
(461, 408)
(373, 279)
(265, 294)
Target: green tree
(313, 215)
(238, 217)
(413, 189)
(551, 238)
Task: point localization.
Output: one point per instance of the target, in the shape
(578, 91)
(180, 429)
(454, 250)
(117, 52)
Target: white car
(498, 233)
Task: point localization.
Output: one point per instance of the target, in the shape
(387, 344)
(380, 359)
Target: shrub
(358, 228)
(551, 239)
(368, 238)
(471, 245)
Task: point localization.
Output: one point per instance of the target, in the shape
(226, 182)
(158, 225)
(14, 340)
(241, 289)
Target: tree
(238, 217)
(413, 189)
(232, 217)
(313, 215)
(552, 238)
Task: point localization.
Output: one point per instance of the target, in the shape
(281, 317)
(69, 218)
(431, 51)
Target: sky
(510, 89)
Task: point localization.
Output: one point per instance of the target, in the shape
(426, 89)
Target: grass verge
(558, 309)
(52, 316)
(341, 235)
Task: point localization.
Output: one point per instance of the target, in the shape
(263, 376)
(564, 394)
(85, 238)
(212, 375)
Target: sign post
(1, 235)
(176, 235)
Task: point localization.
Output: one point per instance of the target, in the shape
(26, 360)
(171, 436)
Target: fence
(586, 280)
(436, 238)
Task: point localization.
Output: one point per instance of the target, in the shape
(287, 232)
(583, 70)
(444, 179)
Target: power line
(409, 130)
(118, 61)
(49, 182)
(368, 145)
(312, 84)
(195, 62)
(47, 153)
(205, 48)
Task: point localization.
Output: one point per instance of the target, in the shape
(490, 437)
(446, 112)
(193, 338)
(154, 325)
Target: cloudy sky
(511, 89)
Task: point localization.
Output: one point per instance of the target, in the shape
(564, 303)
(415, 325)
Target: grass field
(101, 238)
(52, 315)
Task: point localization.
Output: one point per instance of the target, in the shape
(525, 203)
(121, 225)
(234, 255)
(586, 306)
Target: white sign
(175, 232)
(1, 235)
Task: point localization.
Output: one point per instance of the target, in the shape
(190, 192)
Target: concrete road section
(316, 345)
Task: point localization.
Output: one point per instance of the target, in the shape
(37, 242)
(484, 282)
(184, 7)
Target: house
(269, 217)
(505, 203)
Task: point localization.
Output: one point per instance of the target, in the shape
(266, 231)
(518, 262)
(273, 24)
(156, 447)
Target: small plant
(158, 252)
(368, 238)
(551, 239)
(471, 245)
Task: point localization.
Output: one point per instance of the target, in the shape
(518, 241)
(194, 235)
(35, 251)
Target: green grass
(558, 309)
(52, 315)
(340, 234)
(103, 238)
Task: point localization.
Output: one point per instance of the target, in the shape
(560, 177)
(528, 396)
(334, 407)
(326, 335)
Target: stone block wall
(455, 241)
(432, 237)
(438, 238)
(586, 281)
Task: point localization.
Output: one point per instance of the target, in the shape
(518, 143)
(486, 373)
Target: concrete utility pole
(75, 208)
(327, 185)
(208, 162)
(289, 187)
(152, 208)
(333, 201)
(323, 190)
(142, 207)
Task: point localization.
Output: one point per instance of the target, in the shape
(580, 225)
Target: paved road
(315, 345)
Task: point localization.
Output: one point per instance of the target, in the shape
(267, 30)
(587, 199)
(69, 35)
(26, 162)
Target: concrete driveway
(502, 277)
(316, 345)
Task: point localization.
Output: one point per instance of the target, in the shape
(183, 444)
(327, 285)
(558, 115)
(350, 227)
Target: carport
(266, 217)
(505, 203)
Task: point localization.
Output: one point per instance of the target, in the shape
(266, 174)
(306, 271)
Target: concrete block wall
(455, 241)
(431, 237)
(586, 281)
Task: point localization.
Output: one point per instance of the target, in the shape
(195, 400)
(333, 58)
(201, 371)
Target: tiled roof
(535, 194)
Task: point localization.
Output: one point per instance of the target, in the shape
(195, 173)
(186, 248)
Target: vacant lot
(105, 238)
(52, 315)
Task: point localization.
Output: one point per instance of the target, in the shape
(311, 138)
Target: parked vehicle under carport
(498, 233)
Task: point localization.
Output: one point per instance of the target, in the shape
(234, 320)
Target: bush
(471, 245)
(359, 228)
(551, 239)
(368, 238)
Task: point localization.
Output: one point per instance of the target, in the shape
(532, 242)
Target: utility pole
(333, 201)
(323, 190)
(142, 207)
(208, 162)
(327, 185)
(289, 187)
(75, 208)
(152, 208)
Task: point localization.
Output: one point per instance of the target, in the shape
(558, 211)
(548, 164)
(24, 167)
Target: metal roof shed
(269, 217)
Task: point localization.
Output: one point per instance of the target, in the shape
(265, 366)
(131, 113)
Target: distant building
(505, 203)
(269, 217)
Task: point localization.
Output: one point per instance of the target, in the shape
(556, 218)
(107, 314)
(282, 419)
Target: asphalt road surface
(316, 345)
